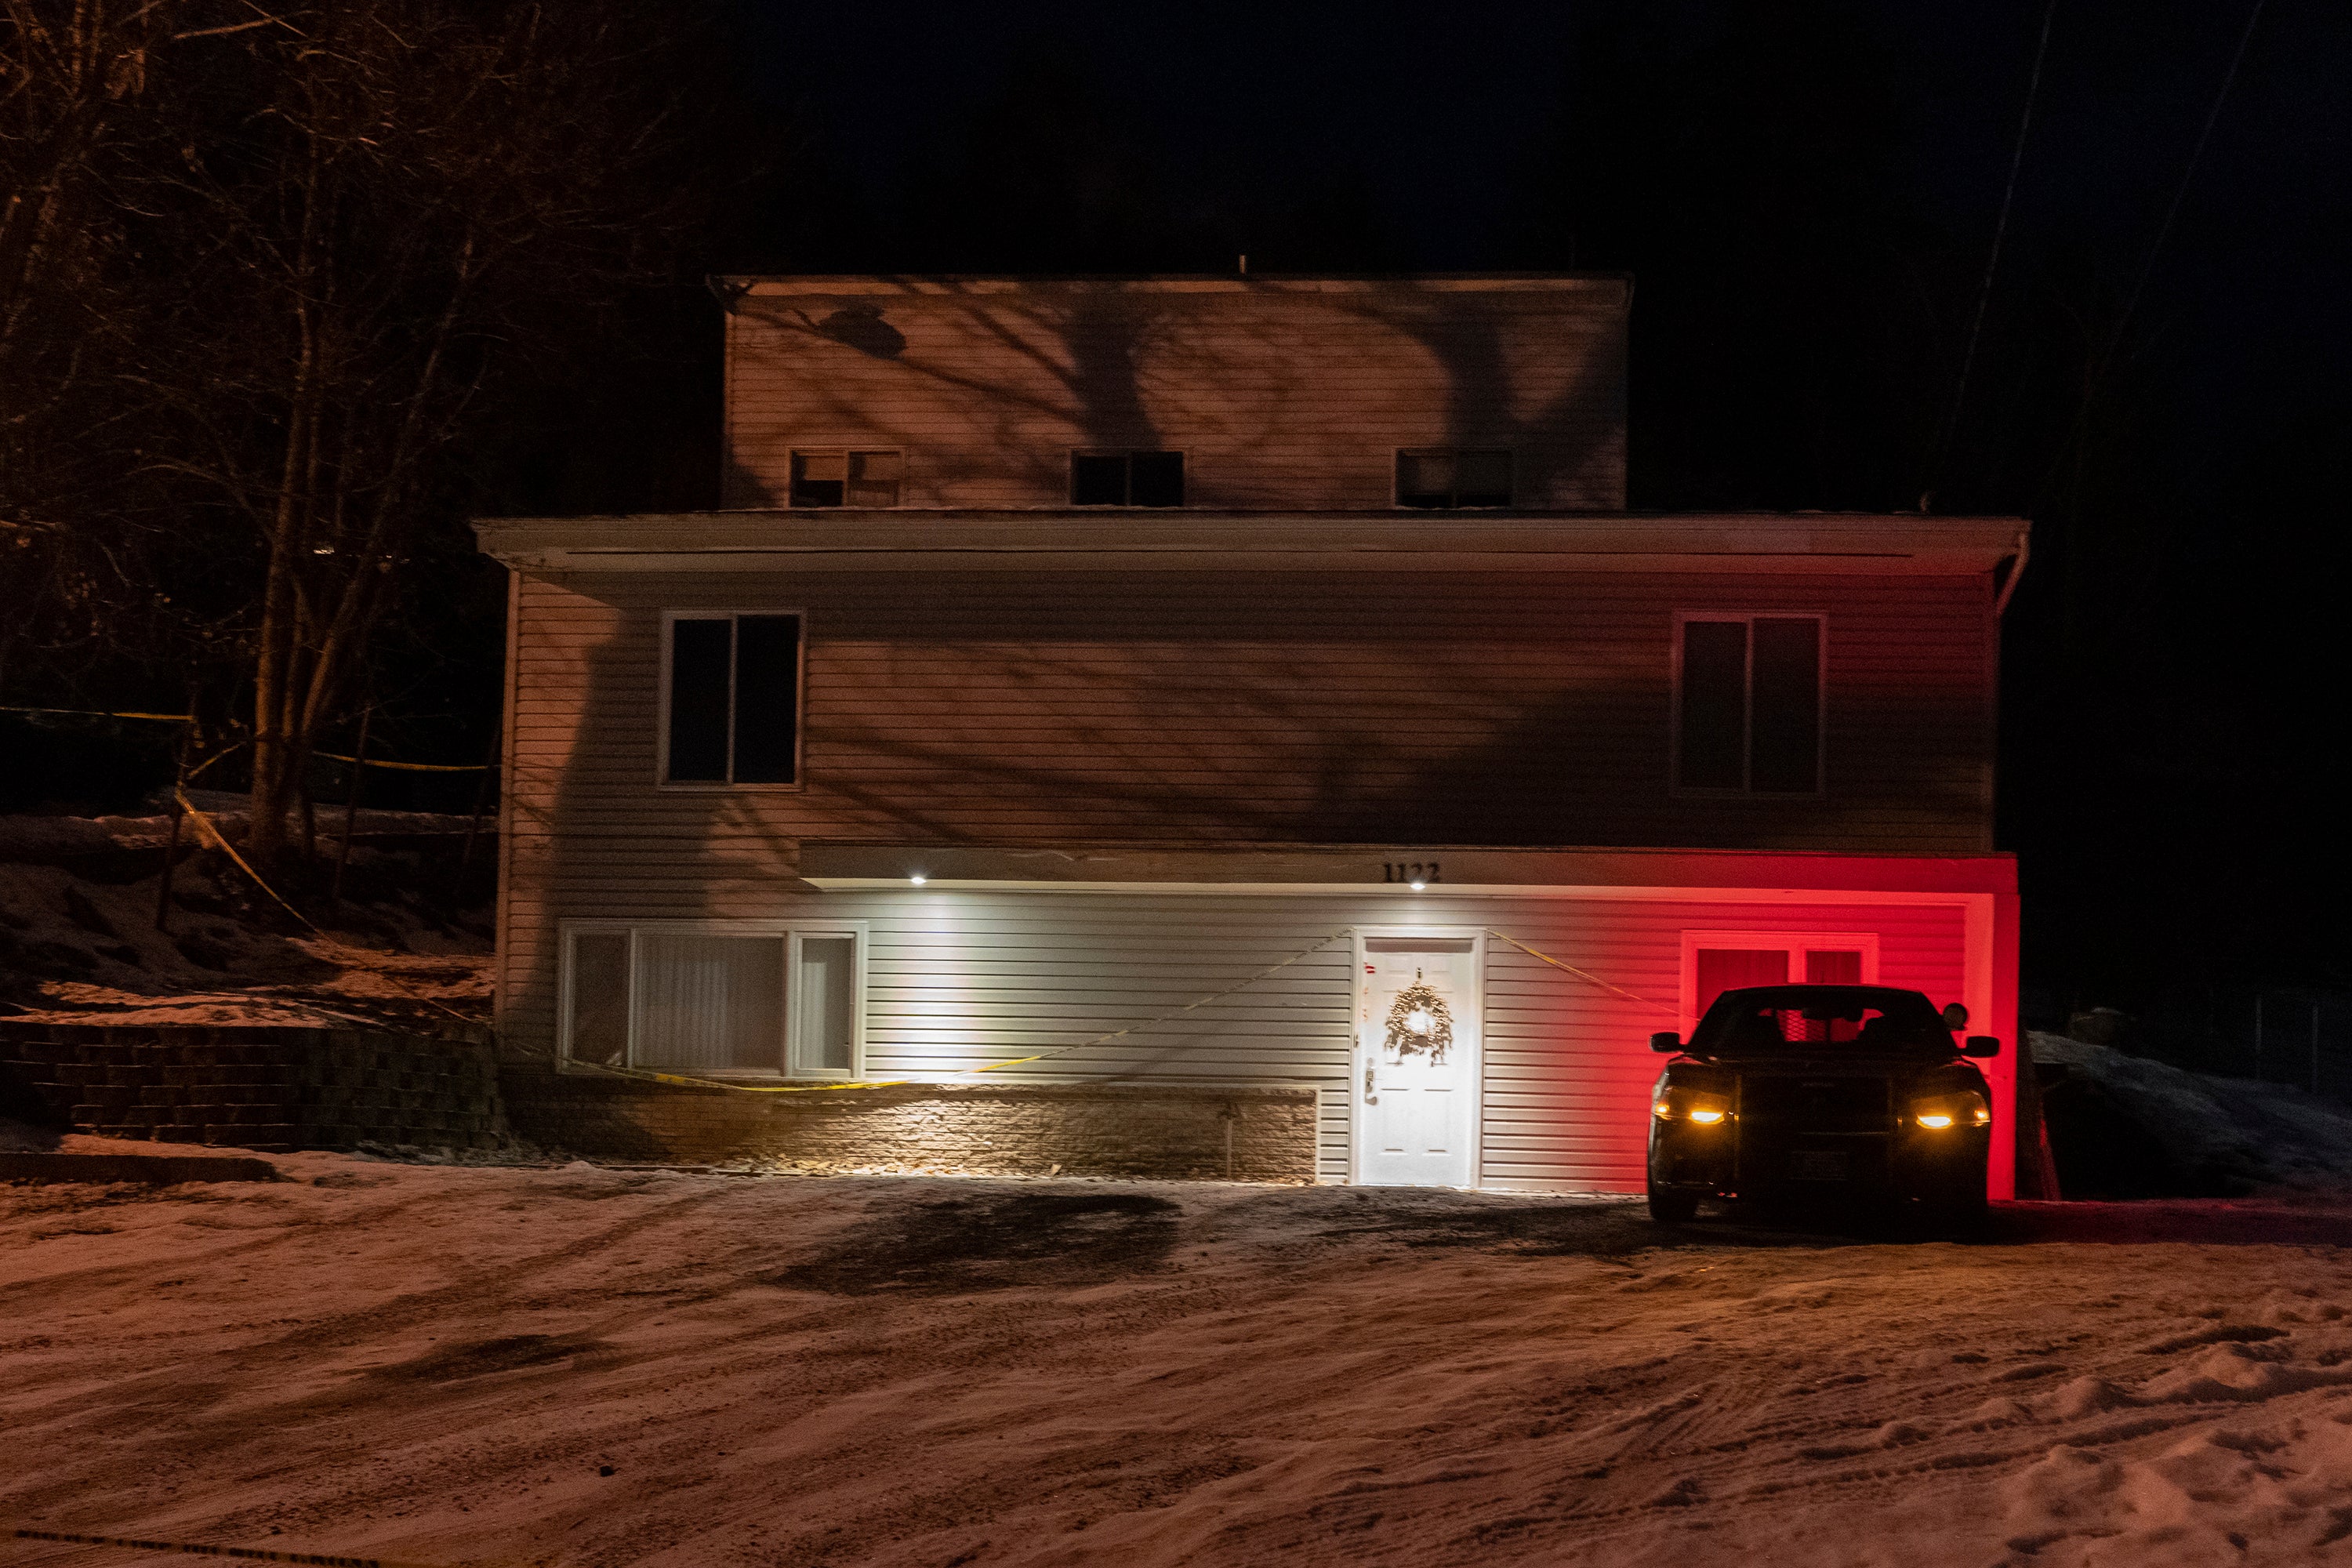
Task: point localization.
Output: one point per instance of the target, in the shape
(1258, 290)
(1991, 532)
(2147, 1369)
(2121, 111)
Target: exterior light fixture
(918, 879)
(1417, 887)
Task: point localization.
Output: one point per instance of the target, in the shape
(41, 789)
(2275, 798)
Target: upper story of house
(1225, 394)
(1231, 560)
(682, 683)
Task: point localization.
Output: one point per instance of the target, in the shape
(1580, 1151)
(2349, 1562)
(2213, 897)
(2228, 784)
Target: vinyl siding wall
(957, 978)
(1344, 707)
(1279, 394)
(1440, 710)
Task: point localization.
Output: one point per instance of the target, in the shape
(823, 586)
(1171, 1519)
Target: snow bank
(2221, 1133)
(77, 935)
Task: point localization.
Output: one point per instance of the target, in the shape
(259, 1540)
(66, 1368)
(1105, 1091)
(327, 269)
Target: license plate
(1817, 1165)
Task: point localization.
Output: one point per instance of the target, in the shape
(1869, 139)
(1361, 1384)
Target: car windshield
(1759, 1020)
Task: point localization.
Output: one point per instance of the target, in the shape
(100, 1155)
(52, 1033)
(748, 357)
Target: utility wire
(1992, 263)
(2100, 366)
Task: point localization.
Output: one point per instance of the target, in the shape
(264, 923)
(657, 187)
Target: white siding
(959, 978)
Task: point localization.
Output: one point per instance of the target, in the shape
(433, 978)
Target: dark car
(1817, 1096)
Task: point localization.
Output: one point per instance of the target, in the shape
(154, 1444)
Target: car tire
(1669, 1207)
(1961, 1218)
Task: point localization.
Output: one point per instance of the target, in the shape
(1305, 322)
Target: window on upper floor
(1127, 479)
(842, 476)
(752, 996)
(1747, 704)
(1452, 476)
(730, 698)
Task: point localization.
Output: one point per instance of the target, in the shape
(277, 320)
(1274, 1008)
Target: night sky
(1792, 185)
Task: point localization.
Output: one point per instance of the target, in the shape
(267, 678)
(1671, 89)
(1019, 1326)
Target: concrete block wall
(1240, 1134)
(255, 1087)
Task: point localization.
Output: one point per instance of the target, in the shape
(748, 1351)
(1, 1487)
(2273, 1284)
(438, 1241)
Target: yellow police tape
(960, 1072)
(408, 767)
(682, 1081)
(204, 827)
(1581, 975)
(98, 713)
(251, 1554)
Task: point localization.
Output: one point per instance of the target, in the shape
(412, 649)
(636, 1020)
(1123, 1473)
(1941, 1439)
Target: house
(1249, 695)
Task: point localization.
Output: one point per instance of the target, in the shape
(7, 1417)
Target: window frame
(792, 455)
(790, 933)
(1396, 478)
(1183, 455)
(1795, 943)
(1676, 788)
(799, 782)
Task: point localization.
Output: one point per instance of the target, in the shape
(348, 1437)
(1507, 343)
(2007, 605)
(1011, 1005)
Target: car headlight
(1691, 1105)
(1944, 1112)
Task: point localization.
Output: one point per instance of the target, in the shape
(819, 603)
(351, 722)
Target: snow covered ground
(583, 1367)
(77, 935)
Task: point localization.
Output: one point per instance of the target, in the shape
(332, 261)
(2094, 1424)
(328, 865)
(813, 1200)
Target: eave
(863, 865)
(905, 540)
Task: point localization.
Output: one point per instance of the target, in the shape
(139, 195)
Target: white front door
(1417, 1037)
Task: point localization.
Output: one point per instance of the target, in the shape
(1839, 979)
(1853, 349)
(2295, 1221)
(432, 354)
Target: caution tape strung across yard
(99, 713)
(1581, 975)
(192, 1548)
(204, 828)
(965, 1072)
(407, 767)
(683, 1080)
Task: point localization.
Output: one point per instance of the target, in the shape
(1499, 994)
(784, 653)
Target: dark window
(1127, 479)
(734, 700)
(1454, 477)
(1785, 745)
(845, 478)
(1748, 705)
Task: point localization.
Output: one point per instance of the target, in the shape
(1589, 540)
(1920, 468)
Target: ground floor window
(1715, 962)
(710, 996)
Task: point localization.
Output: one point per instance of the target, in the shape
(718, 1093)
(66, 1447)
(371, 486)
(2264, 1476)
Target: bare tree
(373, 215)
(79, 111)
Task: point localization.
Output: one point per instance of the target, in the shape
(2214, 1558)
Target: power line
(2099, 366)
(1993, 261)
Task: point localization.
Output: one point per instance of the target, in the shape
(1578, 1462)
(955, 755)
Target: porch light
(918, 879)
(1416, 887)
(1707, 1117)
(1936, 1119)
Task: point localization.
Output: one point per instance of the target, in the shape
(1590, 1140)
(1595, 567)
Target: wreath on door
(1418, 1020)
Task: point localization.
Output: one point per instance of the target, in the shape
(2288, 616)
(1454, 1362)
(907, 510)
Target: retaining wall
(1245, 1133)
(254, 1086)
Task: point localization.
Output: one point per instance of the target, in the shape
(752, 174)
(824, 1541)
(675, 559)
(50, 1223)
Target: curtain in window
(1722, 969)
(710, 1001)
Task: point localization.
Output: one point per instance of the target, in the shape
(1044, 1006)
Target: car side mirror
(1666, 1040)
(1980, 1046)
(1956, 1015)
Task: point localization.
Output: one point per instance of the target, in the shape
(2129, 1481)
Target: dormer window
(846, 477)
(1452, 476)
(1127, 479)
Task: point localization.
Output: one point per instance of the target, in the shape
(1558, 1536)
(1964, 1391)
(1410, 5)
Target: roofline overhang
(1359, 869)
(909, 540)
(949, 288)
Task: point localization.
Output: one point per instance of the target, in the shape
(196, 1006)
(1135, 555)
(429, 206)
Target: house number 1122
(1410, 872)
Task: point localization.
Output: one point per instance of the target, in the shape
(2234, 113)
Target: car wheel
(1961, 1218)
(1671, 1207)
